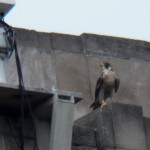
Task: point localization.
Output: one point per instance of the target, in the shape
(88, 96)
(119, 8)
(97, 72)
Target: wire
(22, 96)
(10, 36)
(11, 130)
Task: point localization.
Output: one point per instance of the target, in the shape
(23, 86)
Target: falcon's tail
(92, 105)
(95, 105)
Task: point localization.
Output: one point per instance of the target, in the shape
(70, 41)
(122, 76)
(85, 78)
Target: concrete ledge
(101, 121)
(129, 131)
(83, 136)
(44, 42)
(10, 98)
(147, 131)
(27, 38)
(82, 148)
(115, 149)
(86, 43)
(116, 47)
(64, 42)
(118, 126)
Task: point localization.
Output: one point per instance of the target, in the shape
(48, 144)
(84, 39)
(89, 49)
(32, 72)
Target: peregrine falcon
(106, 85)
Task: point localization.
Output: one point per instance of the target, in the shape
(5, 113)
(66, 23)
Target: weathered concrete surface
(147, 131)
(10, 144)
(38, 68)
(58, 123)
(61, 123)
(72, 72)
(44, 42)
(27, 38)
(42, 129)
(119, 126)
(84, 136)
(101, 121)
(68, 43)
(129, 130)
(10, 99)
(9, 134)
(116, 47)
(10, 68)
(67, 62)
(71, 63)
(83, 148)
(116, 149)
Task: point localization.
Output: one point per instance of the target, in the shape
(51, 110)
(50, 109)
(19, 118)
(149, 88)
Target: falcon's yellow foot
(103, 104)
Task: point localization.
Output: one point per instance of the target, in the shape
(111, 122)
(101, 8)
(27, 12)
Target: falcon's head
(105, 66)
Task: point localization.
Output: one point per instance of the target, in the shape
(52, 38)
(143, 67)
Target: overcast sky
(124, 18)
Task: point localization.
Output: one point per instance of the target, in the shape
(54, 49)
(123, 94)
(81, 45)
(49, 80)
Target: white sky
(124, 18)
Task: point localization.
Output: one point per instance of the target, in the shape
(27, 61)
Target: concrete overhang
(10, 101)
(38, 99)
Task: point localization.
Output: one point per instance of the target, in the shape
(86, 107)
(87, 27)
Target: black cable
(23, 92)
(10, 35)
(11, 130)
(22, 96)
(32, 118)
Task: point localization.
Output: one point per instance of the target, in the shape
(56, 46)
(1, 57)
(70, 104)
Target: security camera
(6, 6)
(6, 32)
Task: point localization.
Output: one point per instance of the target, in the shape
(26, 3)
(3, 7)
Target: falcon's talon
(103, 104)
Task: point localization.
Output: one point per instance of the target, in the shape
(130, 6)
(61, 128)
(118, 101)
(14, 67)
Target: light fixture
(5, 30)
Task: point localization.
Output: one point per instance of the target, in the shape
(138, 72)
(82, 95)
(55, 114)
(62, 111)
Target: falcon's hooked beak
(102, 66)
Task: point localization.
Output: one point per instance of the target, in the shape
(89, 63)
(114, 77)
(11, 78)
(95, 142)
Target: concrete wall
(71, 63)
(9, 134)
(119, 127)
